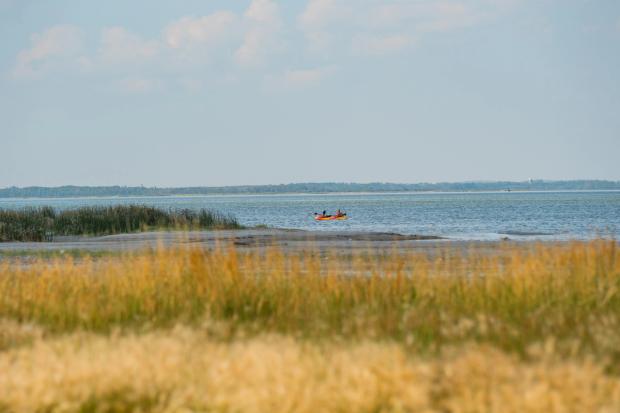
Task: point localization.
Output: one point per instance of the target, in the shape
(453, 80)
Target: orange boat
(330, 218)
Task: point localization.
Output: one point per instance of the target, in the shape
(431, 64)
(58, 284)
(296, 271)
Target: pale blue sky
(189, 92)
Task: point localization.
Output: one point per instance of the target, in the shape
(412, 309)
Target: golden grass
(522, 329)
(508, 296)
(182, 371)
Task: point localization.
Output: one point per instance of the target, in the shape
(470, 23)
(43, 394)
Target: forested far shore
(327, 187)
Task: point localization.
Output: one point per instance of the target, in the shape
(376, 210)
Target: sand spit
(248, 238)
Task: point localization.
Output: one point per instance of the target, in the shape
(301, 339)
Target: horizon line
(531, 181)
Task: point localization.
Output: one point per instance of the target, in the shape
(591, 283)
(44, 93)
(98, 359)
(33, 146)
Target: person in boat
(339, 213)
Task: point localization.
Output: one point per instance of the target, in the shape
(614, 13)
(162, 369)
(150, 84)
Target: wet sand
(247, 238)
(289, 241)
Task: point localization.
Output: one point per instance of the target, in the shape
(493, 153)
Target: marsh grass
(521, 330)
(510, 300)
(44, 223)
(183, 370)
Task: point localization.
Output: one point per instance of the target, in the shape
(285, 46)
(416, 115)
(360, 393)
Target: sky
(236, 92)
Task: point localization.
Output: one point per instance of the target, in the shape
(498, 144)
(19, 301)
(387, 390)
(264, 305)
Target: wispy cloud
(376, 28)
(336, 29)
(261, 38)
(316, 18)
(118, 45)
(199, 31)
(55, 43)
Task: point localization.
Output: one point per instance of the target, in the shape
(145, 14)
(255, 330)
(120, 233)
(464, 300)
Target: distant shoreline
(329, 188)
(309, 194)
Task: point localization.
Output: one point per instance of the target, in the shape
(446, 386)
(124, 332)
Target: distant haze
(246, 92)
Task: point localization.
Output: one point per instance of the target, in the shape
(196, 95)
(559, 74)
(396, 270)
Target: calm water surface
(481, 216)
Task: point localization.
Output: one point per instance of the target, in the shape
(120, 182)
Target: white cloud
(252, 50)
(379, 45)
(301, 78)
(187, 45)
(319, 13)
(329, 24)
(118, 45)
(58, 42)
(206, 30)
(261, 37)
(263, 12)
(316, 18)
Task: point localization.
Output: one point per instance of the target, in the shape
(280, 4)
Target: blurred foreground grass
(525, 330)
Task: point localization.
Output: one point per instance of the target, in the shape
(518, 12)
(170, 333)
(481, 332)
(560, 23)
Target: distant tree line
(327, 187)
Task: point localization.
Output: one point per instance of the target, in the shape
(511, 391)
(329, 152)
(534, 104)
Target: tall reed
(525, 330)
(43, 223)
(511, 300)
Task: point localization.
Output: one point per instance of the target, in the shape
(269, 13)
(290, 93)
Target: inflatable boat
(330, 218)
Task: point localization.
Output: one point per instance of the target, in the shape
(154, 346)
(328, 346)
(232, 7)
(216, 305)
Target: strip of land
(306, 188)
(285, 239)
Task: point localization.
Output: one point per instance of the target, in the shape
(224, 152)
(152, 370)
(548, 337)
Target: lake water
(471, 216)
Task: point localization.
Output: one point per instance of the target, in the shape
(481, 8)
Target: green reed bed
(44, 223)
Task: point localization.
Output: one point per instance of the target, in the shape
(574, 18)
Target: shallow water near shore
(463, 216)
